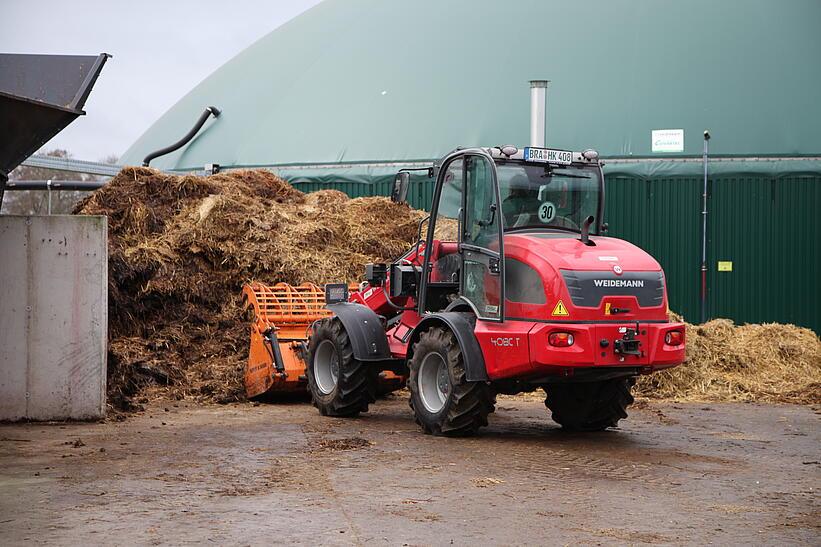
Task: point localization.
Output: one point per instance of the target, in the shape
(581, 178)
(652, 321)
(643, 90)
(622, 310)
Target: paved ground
(243, 474)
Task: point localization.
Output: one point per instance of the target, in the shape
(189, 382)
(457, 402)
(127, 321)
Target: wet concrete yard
(673, 473)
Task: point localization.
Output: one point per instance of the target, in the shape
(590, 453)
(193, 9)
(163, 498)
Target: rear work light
(674, 338)
(560, 339)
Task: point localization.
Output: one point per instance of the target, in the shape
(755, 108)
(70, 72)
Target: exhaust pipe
(585, 235)
(538, 112)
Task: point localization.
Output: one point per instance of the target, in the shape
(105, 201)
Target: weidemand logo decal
(638, 283)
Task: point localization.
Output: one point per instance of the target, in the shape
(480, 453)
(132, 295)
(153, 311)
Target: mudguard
(364, 327)
(461, 327)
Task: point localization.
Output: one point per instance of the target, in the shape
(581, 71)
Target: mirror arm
(585, 235)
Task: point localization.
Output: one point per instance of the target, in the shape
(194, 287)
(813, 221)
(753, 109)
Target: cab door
(480, 242)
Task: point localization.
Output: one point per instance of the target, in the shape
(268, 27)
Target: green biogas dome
(350, 91)
(356, 84)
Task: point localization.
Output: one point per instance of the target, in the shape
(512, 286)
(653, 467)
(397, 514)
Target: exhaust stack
(538, 112)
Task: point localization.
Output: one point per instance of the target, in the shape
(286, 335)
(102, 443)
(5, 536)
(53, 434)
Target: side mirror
(399, 194)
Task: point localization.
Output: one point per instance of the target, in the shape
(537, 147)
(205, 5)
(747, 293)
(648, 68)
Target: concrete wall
(53, 317)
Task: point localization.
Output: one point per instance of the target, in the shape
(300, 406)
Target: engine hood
(612, 280)
(564, 251)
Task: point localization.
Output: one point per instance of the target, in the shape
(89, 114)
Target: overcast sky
(161, 49)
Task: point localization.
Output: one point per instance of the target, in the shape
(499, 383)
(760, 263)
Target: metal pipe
(82, 185)
(183, 141)
(48, 189)
(704, 159)
(538, 112)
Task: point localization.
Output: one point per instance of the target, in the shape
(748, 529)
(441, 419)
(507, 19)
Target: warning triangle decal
(560, 309)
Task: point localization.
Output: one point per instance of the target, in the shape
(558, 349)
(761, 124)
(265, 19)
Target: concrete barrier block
(53, 317)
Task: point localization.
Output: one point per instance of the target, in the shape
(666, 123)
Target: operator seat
(444, 275)
(521, 206)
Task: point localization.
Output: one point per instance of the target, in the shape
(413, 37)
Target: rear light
(560, 339)
(674, 338)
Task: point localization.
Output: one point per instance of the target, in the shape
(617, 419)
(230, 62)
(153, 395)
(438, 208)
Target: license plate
(546, 155)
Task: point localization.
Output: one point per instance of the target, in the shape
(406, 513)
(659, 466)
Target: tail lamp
(674, 338)
(560, 339)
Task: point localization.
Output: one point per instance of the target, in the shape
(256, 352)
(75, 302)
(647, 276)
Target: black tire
(590, 406)
(355, 386)
(466, 405)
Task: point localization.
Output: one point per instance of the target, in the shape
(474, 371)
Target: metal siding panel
(769, 228)
(662, 217)
(420, 195)
(674, 224)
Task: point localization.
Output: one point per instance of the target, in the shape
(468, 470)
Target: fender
(364, 327)
(460, 304)
(462, 329)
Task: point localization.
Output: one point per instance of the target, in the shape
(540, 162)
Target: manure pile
(767, 362)
(181, 247)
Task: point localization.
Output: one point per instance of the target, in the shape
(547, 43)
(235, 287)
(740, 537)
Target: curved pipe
(183, 141)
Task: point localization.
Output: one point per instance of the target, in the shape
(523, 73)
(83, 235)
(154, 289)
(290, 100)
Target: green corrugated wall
(770, 229)
(420, 192)
(767, 226)
(662, 217)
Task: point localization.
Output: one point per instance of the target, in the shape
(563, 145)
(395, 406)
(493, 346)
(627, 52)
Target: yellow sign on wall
(725, 265)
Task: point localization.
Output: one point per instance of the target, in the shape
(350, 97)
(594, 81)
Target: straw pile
(180, 248)
(726, 362)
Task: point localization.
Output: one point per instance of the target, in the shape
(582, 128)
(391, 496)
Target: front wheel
(340, 385)
(589, 406)
(443, 401)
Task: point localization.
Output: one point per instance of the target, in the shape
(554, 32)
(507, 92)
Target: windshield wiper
(541, 229)
(551, 174)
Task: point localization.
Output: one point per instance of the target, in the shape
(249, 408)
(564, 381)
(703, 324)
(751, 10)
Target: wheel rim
(434, 383)
(326, 366)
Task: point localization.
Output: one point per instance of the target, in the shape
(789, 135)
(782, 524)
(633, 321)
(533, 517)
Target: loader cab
(483, 193)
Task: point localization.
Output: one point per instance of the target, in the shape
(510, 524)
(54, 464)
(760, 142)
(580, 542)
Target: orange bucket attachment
(288, 309)
(281, 317)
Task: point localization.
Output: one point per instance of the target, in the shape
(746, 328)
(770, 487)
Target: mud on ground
(242, 474)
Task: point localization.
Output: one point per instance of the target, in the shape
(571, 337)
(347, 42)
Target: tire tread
(356, 385)
(591, 406)
(470, 402)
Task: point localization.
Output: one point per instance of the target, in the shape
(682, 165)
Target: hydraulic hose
(183, 141)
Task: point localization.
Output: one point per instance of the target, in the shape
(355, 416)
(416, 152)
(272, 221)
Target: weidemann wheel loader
(511, 286)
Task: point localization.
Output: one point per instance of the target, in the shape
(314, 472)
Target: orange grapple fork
(280, 319)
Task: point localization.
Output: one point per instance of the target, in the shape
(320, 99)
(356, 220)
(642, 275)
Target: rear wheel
(590, 406)
(340, 385)
(443, 401)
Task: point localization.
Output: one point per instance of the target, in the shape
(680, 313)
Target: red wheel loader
(511, 286)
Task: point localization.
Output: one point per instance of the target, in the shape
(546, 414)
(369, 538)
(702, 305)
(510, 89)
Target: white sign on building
(667, 140)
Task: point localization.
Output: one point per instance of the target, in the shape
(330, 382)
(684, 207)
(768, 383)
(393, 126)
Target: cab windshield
(548, 196)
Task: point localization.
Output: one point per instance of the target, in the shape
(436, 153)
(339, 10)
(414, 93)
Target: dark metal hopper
(39, 96)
